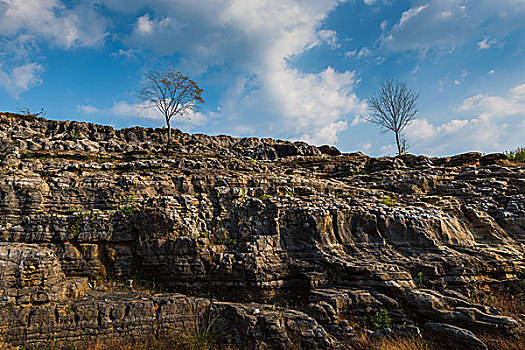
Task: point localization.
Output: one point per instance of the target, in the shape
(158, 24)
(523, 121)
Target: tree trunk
(398, 143)
(169, 134)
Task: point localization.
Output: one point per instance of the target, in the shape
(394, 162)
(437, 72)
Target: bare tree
(172, 93)
(392, 108)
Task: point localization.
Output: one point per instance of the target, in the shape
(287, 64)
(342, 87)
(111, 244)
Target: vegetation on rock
(517, 155)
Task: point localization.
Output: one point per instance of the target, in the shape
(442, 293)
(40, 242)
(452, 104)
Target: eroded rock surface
(285, 244)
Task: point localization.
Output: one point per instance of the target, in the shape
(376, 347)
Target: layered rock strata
(284, 244)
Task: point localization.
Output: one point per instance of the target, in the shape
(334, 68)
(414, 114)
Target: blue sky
(289, 69)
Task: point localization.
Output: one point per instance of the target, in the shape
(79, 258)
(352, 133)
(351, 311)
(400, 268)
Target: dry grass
(185, 342)
(365, 342)
(105, 284)
(405, 343)
(203, 336)
(161, 343)
(504, 343)
(507, 302)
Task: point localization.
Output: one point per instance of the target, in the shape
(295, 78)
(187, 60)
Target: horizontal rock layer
(318, 239)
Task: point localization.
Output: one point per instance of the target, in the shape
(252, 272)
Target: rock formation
(282, 243)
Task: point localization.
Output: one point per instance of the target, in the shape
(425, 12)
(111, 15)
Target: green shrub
(222, 237)
(388, 201)
(203, 336)
(381, 319)
(517, 155)
(124, 206)
(264, 196)
(75, 134)
(82, 218)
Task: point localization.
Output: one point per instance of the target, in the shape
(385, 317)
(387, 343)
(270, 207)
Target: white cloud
(357, 120)
(389, 149)
(458, 136)
(407, 15)
(415, 70)
(445, 14)
(497, 123)
(87, 109)
(487, 43)
(259, 40)
(422, 129)
(136, 111)
(52, 20)
(513, 104)
(326, 134)
(129, 54)
(21, 78)
(329, 37)
(25, 25)
(492, 71)
(445, 24)
(314, 103)
(146, 26)
(19, 48)
(373, 2)
(349, 54)
(380, 60)
(26, 76)
(123, 109)
(366, 147)
(364, 52)
(460, 80)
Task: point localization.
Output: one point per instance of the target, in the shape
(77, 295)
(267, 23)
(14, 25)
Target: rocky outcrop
(40, 306)
(283, 243)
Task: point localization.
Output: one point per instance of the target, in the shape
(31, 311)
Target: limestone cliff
(283, 243)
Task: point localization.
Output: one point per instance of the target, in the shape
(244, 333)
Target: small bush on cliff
(203, 336)
(125, 206)
(420, 278)
(388, 201)
(82, 218)
(517, 155)
(381, 320)
(27, 112)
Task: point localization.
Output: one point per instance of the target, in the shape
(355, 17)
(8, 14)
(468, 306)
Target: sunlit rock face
(283, 244)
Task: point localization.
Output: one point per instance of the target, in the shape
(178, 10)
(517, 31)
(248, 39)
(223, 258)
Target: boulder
(493, 158)
(454, 337)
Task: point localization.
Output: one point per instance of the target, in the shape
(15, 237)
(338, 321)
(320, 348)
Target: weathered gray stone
(329, 237)
(455, 337)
